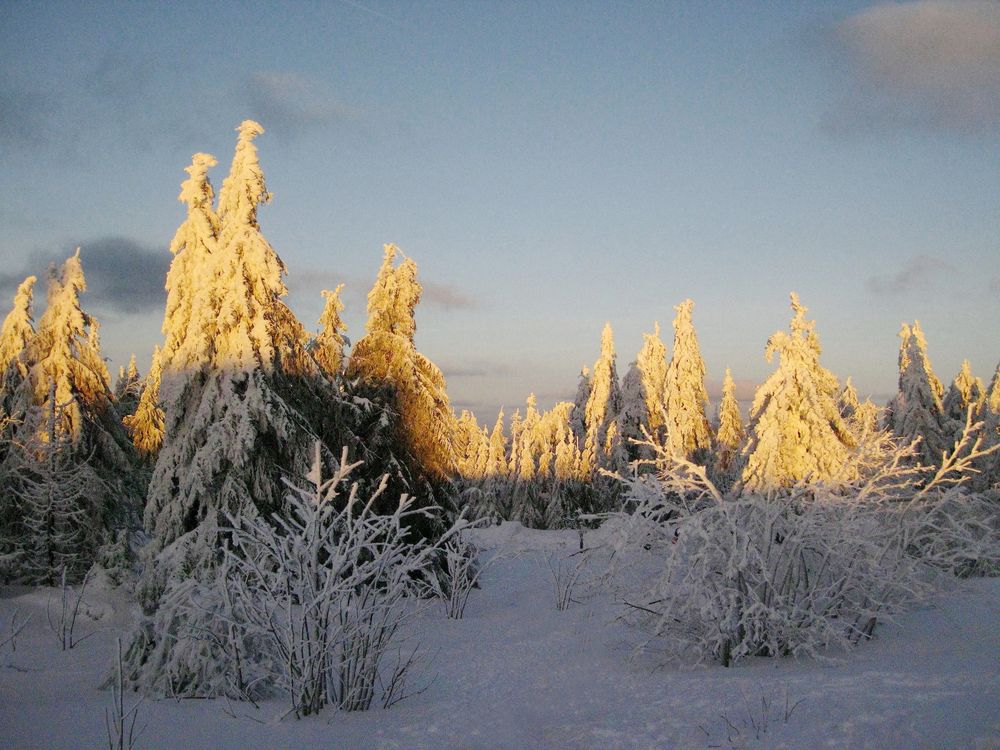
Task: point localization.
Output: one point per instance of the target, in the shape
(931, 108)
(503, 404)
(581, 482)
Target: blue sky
(549, 166)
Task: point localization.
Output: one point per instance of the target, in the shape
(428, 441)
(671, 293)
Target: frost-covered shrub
(310, 603)
(325, 592)
(460, 574)
(797, 572)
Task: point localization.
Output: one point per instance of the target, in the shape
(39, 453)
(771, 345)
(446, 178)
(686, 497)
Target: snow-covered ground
(516, 673)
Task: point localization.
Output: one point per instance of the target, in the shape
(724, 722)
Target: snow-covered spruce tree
(187, 322)
(796, 431)
(128, 388)
(68, 420)
(730, 435)
(238, 386)
(328, 346)
(966, 390)
(491, 495)
(386, 357)
(56, 492)
(989, 467)
(497, 464)
(652, 363)
(515, 445)
(526, 449)
(546, 436)
(862, 417)
(578, 417)
(468, 446)
(531, 444)
(15, 335)
(603, 406)
(633, 421)
(685, 396)
(145, 422)
(916, 411)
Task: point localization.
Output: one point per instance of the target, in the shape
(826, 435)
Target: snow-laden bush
(796, 572)
(462, 569)
(311, 603)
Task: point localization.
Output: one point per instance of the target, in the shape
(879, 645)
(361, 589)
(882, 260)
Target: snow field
(517, 673)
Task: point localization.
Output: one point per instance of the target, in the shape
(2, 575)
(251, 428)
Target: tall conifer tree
(652, 363)
(731, 434)
(796, 431)
(188, 320)
(244, 387)
(15, 336)
(603, 406)
(966, 390)
(917, 412)
(328, 346)
(70, 428)
(386, 356)
(686, 398)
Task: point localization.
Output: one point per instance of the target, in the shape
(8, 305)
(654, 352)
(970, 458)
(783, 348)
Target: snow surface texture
(517, 673)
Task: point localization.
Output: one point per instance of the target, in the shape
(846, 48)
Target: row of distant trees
(803, 425)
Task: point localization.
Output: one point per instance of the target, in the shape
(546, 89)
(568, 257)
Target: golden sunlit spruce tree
(187, 326)
(496, 465)
(796, 432)
(989, 468)
(245, 406)
(238, 386)
(15, 335)
(328, 346)
(529, 484)
(145, 423)
(386, 357)
(861, 417)
(685, 397)
(729, 436)
(652, 363)
(965, 390)
(530, 441)
(558, 467)
(643, 389)
(602, 445)
(515, 445)
(916, 411)
(72, 466)
(468, 445)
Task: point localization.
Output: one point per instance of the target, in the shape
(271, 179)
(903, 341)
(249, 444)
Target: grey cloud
(482, 409)
(918, 272)
(995, 284)
(291, 103)
(445, 296)
(744, 389)
(928, 65)
(122, 274)
(474, 369)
